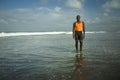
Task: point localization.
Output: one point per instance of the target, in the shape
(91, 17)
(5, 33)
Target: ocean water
(51, 56)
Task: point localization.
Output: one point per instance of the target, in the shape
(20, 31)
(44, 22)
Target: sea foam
(3, 34)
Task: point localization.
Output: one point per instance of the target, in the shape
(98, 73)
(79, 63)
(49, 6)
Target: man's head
(78, 17)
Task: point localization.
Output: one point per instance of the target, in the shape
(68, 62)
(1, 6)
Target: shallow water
(53, 57)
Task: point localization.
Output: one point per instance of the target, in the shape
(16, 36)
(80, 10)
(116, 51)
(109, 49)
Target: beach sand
(53, 57)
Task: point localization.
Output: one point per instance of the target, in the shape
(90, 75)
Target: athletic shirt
(79, 26)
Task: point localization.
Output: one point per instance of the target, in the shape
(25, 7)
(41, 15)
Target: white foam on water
(3, 34)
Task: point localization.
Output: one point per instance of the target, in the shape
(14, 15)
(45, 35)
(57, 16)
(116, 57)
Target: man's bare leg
(81, 45)
(76, 45)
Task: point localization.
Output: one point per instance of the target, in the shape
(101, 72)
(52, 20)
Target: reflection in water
(78, 75)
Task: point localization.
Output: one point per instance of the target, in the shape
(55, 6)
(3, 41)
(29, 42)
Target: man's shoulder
(82, 21)
(74, 23)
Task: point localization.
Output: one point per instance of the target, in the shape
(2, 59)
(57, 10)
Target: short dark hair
(77, 16)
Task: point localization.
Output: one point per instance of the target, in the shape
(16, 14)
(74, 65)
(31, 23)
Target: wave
(3, 34)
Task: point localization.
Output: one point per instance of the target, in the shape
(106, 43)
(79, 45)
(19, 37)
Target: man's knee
(81, 41)
(76, 41)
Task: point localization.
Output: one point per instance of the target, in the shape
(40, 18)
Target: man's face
(78, 18)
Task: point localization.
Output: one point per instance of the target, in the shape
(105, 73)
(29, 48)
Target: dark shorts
(78, 35)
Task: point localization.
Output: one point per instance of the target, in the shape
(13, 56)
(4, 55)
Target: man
(78, 32)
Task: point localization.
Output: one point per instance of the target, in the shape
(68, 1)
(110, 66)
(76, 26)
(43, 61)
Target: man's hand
(73, 36)
(83, 35)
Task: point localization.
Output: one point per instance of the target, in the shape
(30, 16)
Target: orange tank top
(78, 26)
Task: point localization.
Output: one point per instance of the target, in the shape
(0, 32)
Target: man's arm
(83, 30)
(73, 30)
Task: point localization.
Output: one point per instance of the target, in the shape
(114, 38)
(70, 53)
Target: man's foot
(76, 51)
(80, 52)
(80, 49)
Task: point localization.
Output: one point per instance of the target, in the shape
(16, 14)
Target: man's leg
(81, 45)
(76, 45)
